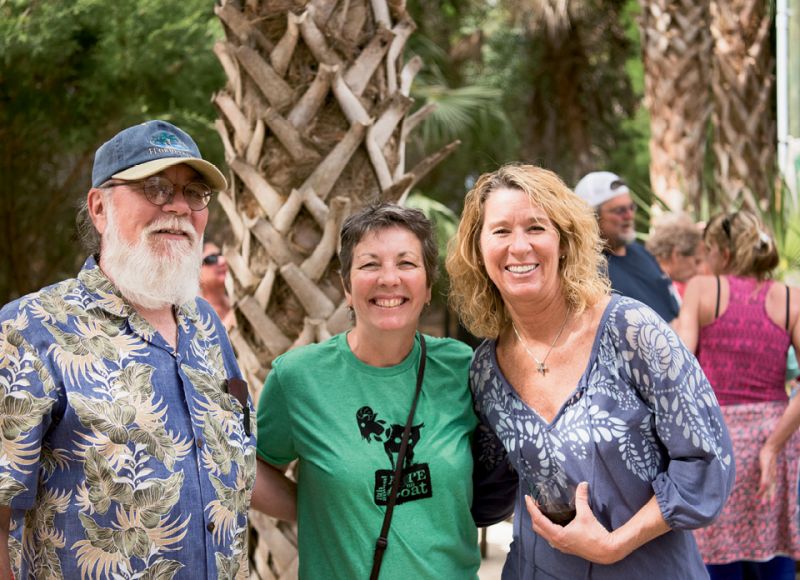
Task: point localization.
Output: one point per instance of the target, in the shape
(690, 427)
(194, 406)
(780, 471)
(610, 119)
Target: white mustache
(172, 223)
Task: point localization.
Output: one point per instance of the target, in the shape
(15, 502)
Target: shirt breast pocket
(236, 389)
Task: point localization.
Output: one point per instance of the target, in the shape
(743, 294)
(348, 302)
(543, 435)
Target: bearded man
(633, 271)
(126, 443)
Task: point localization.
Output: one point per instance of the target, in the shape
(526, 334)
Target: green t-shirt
(343, 419)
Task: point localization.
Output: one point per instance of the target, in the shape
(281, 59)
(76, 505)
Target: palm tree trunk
(676, 47)
(314, 121)
(742, 83)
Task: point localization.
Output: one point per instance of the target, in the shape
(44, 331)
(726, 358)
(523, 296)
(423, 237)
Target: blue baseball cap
(144, 150)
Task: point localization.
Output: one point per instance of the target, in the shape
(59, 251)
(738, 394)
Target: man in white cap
(126, 443)
(631, 268)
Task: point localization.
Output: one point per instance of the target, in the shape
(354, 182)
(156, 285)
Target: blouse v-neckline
(510, 390)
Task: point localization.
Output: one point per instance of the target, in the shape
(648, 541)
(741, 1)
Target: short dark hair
(381, 216)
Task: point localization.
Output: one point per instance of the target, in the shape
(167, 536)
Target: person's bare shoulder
(702, 282)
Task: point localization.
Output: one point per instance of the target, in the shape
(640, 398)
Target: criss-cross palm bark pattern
(676, 49)
(314, 121)
(742, 85)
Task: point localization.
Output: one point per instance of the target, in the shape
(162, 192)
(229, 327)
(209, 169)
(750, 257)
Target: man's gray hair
(88, 235)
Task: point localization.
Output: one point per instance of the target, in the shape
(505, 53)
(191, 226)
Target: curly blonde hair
(473, 294)
(752, 248)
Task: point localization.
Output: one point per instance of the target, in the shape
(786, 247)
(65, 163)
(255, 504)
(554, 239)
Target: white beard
(628, 237)
(149, 279)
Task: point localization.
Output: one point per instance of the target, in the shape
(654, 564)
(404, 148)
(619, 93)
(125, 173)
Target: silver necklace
(541, 367)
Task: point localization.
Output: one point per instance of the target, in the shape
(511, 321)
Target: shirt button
(200, 442)
(210, 527)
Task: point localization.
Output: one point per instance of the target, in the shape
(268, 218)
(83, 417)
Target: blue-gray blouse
(642, 421)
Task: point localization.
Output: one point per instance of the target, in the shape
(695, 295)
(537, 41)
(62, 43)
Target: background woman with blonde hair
(611, 425)
(741, 323)
(677, 245)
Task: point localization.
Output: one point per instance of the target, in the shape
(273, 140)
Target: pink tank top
(743, 352)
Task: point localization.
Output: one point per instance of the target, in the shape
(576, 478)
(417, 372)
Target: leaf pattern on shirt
(39, 530)
(103, 484)
(105, 550)
(8, 489)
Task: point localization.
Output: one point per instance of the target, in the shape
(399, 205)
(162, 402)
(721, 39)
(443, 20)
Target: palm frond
(459, 111)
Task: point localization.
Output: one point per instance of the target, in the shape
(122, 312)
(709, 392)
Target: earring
(562, 256)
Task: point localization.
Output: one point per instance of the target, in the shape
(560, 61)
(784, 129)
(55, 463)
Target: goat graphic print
(416, 482)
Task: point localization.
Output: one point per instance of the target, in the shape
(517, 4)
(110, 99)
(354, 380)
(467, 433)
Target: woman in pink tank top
(740, 325)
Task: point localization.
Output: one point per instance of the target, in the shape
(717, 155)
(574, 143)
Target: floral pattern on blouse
(643, 408)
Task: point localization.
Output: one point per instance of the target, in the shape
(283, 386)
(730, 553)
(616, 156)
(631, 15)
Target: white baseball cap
(598, 187)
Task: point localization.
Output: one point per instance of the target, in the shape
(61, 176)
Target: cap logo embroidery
(168, 140)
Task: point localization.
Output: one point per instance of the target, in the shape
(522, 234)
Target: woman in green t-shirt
(339, 407)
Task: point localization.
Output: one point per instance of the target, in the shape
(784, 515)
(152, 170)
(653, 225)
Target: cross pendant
(542, 368)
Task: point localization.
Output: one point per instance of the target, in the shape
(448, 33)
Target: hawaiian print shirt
(119, 455)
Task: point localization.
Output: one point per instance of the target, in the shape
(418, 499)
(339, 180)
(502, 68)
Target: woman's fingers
(541, 524)
(766, 483)
(582, 499)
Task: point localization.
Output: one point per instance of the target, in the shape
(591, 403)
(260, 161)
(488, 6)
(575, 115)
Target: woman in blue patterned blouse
(611, 425)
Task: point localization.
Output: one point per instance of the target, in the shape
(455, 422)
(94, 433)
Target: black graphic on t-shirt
(416, 482)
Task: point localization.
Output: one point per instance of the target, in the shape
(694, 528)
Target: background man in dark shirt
(632, 269)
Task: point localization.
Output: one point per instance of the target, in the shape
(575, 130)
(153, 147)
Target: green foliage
(512, 89)
(467, 94)
(73, 74)
(445, 224)
(445, 220)
(459, 111)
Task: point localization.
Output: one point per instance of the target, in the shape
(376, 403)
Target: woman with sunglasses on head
(343, 408)
(740, 323)
(213, 270)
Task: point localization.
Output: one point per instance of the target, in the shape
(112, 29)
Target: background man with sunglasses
(631, 268)
(126, 445)
(212, 283)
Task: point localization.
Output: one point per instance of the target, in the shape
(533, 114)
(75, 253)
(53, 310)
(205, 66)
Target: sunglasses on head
(211, 259)
(725, 224)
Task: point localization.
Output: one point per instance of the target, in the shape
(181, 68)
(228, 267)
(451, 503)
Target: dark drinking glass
(555, 498)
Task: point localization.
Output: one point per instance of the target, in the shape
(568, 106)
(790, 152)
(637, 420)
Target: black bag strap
(383, 541)
(716, 309)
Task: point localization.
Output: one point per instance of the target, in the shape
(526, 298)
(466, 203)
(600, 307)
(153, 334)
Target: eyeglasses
(161, 191)
(621, 210)
(211, 259)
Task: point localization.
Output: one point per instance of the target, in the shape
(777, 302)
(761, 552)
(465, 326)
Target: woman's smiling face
(519, 247)
(388, 282)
